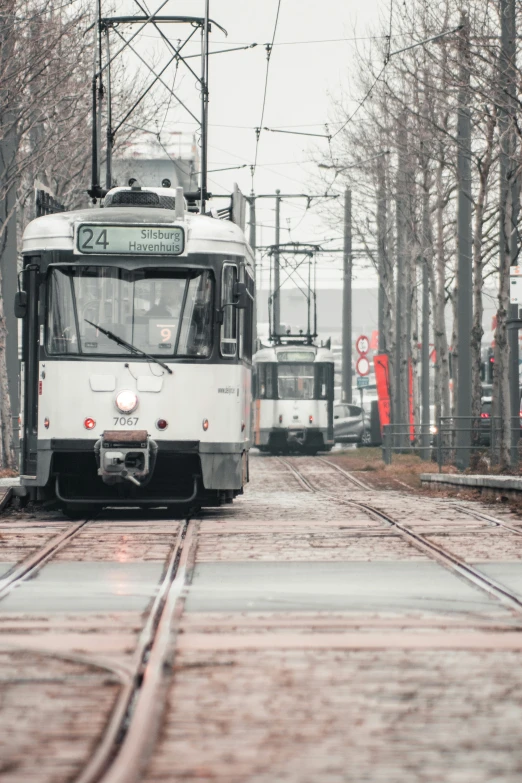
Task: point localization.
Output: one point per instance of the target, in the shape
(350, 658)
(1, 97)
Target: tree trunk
(439, 296)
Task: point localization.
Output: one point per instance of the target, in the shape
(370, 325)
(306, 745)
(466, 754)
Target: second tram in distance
(293, 391)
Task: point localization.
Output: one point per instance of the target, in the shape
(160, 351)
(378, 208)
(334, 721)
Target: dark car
(486, 422)
(351, 424)
(484, 427)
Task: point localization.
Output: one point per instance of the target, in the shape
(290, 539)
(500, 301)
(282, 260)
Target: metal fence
(406, 439)
(441, 444)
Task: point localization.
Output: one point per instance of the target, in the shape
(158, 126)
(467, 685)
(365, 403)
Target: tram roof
(272, 353)
(203, 234)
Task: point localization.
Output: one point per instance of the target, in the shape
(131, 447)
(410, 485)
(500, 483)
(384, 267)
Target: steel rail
(130, 736)
(119, 670)
(469, 511)
(36, 560)
(487, 518)
(438, 553)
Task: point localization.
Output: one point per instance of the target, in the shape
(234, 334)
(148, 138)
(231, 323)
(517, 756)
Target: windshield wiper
(130, 346)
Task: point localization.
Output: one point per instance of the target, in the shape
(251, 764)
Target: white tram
(293, 398)
(136, 354)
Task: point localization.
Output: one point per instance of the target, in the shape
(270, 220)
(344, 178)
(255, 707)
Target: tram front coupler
(296, 437)
(126, 455)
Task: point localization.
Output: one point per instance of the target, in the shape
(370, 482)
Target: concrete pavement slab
(334, 586)
(86, 587)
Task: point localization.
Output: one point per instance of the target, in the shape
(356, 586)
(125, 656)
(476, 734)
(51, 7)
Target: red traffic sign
(363, 365)
(362, 345)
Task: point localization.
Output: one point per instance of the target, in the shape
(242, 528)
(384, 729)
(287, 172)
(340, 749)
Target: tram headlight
(126, 401)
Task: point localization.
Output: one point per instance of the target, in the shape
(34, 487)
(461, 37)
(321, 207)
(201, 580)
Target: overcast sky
(310, 68)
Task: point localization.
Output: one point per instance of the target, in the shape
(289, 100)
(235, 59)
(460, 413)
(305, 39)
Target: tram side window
(62, 336)
(229, 326)
(196, 326)
(323, 375)
(266, 375)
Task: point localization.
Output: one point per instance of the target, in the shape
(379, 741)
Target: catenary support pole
(464, 262)
(277, 293)
(110, 140)
(514, 373)
(400, 404)
(204, 109)
(346, 393)
(510, 197)
(381, 250)
(252, 242)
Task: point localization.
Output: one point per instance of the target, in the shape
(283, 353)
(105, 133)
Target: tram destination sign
(97, 239)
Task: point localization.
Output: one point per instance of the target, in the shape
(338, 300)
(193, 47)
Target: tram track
(462, 508)
(30, 565)
(487, 518)
(436, 552)
(130, 736)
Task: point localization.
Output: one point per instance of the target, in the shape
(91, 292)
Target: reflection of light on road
(120, 584)
(122, 553)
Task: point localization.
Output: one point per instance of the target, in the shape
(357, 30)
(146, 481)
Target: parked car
(351, 424)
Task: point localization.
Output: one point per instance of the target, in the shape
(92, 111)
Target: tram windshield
(160, 311)
(295, 381)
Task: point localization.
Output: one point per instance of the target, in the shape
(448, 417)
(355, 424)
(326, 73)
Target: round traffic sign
(362, 344)
(363, 365)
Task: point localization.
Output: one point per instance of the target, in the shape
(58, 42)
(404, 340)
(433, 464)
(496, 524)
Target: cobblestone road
(395, 692)
(315, 641)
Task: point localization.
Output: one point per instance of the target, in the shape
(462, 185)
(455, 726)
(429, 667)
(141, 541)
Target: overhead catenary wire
(269, 48)
(388, 56)
(298, 133)
(361, 103)
(252, 44)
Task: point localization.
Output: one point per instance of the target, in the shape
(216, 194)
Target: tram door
(324, 390)
(30, 350)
